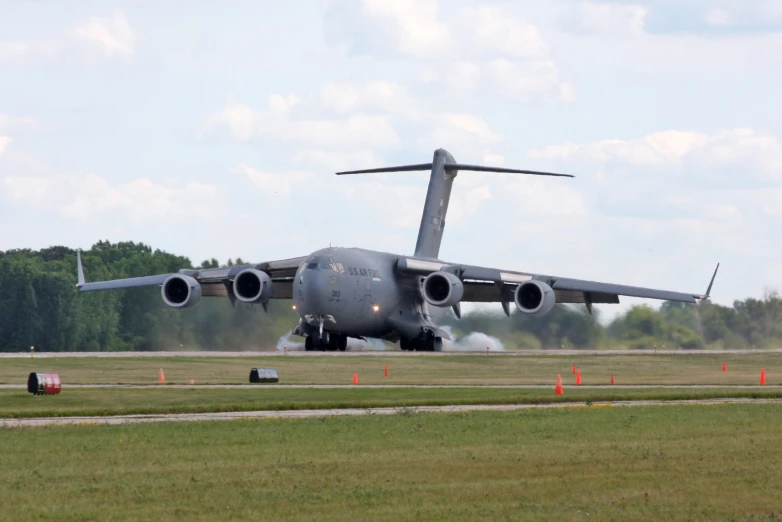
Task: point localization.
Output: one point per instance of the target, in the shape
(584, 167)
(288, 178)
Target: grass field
(643, 463)
(114, 401)
(467, 369)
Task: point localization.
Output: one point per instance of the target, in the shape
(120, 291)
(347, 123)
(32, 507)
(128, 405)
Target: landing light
(375, 308)
(294, 307)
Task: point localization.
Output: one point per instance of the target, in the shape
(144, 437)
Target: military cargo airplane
(353, 292)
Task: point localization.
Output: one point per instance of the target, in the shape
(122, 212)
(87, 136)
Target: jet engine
(534, 298)
(181, 291)
(253, 286)
(442, 289)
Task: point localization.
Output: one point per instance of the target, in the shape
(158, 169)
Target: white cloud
(495, 160)
(483, 47)
(718, 16)
(605, 18)
(274, 187)
(88, 196)
(345, 97)
(18, 52)
(543, 198)
(678, 193)
(771, 202)
(280, 103)
(4, 141)
(277, 122)
(460, 76)
(12, 51)
(466, 202)
(331, 161)
(110, 37)
(18, 124)
(526, 82)
(708, 157)
(733, 13)
(113, 36)
(498, 32)
(393, 202)
(413, 27)
(419, 29)
(462, 133)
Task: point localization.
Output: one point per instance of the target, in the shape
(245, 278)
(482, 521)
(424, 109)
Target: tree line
(41, 307)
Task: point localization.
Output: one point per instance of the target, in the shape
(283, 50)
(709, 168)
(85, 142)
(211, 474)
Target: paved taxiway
(401, 386)
(382, 353)
(303, 414)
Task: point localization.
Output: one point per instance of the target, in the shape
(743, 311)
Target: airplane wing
(215, 282)
(491, 285)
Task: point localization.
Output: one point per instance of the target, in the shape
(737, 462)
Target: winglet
(711, 283)
(79, 270)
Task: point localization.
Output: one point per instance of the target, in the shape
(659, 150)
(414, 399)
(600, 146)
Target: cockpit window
(319, 263)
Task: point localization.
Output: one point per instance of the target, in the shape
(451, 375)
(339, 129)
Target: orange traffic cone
(161, 377)
(574, 369)
(192, 381)
(558, 388)
(724, 367)
(613, 381)
(578, 377)
(355, 378)
(385, 371)
(762, 376)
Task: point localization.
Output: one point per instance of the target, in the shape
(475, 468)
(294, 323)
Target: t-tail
(444, 169)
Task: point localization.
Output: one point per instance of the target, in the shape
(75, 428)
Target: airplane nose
(315, 286)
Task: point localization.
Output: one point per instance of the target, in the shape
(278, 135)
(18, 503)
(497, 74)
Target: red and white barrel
(44, 383)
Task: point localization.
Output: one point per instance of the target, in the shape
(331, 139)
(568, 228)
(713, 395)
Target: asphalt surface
(399, 386)
(303, 414)
(381, 353)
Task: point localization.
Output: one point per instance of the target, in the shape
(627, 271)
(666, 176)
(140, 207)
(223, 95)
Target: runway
(304, 414)
(399, 386)
(382, 353)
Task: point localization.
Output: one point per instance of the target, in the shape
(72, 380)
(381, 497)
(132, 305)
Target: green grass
(90, 402)
(451, 369)
(643, 463)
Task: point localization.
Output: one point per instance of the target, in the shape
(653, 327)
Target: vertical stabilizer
(430, 233)
(444, 169)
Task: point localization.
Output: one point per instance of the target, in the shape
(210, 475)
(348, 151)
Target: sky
(214, 130)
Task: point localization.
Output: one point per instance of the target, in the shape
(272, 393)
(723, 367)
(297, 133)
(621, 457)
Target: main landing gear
(327, 343)
(426, 342)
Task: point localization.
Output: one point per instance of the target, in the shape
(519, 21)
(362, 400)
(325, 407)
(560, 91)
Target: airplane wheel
(428, 343)
(342, 343)
(405, 344)
(308, 343)
(325, 343)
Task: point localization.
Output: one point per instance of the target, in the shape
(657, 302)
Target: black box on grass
(262, 375)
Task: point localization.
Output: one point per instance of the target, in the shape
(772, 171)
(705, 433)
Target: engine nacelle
(252, 286)
(181, 291)
(442, 289)
(534, 298)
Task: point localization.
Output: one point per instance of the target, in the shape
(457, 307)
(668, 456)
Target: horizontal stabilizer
(484, 168)
(453, 166)
(403, 168)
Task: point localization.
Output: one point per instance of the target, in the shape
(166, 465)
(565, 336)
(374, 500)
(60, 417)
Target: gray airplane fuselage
(355, 291)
